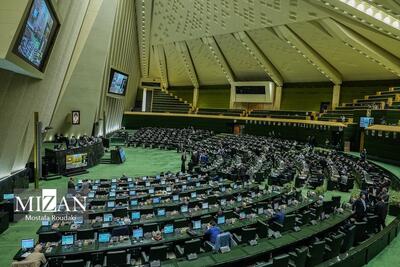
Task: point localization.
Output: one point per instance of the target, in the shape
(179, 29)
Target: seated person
(279, 217)
(212, 232)
(35, 259)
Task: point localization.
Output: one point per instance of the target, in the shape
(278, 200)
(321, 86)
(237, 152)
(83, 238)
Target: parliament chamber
(200, 133)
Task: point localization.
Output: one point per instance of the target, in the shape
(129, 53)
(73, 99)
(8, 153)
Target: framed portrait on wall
(76, 117)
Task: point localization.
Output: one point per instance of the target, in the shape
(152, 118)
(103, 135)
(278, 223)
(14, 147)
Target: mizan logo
(47, 202)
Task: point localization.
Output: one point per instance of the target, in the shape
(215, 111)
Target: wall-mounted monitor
(37, 34)
(76, 161)
(118, 83)
(365, 122)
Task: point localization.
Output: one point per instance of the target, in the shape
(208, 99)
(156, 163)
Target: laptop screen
(67, 240)
(196, 224)
(104, 237)
(27, 243)
(107, 217)
(168, 229)
(137, 233)
(135, 215)
(221, 220)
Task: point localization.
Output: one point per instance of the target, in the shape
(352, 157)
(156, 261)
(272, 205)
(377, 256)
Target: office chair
(305, 218)
(262, 229)
(334, 244)
(120, 212)
(372, 222)
(247, 235)
(336, 201)
(85, 234)
(75, 263)
(360, 232)
(120, 231)
(49, 237)
(298, 258)
(316, 253)
(117, 258)
(280, 260)
(223, 243)
(288, 224)
(56, 261)
(158, 253)
(348, 240)
(190, 247)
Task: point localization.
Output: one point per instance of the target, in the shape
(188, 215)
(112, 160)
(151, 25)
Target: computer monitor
(129, 179)
(253, 194)
(95, 187)
(184, 208)
(27, 244)
(204, 205)
(104, 237)
(158, 177)
(107, 217)
(132, 193)
(151, 190)
(239, 198)
(137, 233)
(135, 215)
(90, 195)
(168, 189)
(131, 185)
(113, 180)
(160, 212)
(168, 229)
(175, 198)
(46, 223)
(112, 194)
(193, 195)
(184, 187)
(134, 202)
(110, 204)
(260, 210)
(144, 178)
(67, 240)
(221, 220)
(162, 182)
(78, 220)
(196, 224)
(113, 186)
(148, 184)
(223, 189)
(223, 202)
(242, 215)
(198, 184)
(156, 200)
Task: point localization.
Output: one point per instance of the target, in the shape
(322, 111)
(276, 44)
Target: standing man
(183, 160)
(381, 212)
(360, 208)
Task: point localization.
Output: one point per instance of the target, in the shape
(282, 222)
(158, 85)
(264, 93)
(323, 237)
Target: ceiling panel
(351, 64)
(208, 71)
(292, 66)
(243, 65)
(177, 75)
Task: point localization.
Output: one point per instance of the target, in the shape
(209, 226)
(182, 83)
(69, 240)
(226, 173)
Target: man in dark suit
(381, 212)
(360, 208)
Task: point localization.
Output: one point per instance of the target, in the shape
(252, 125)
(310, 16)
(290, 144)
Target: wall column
(144, 99)
(195, 96)
(335, 96)
(232, 97)
(278, 97)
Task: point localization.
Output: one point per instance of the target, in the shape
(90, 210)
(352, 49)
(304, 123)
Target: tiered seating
(166, 102)
(337, 115)
(221, 111)
(282, 114)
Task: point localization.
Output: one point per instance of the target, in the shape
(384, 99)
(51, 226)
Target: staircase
(163, 101)
(389, 100)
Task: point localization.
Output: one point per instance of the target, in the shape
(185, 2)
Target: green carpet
(141, 162)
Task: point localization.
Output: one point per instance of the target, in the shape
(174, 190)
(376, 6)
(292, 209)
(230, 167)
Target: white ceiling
(302, 39)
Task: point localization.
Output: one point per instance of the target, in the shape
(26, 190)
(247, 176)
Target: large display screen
(76, 161)
(365, 122)
(38, 34)
(118, 83)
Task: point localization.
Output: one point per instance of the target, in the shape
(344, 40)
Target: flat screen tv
(118, 82)
(37, 35)
(365, 122)
(76, 161)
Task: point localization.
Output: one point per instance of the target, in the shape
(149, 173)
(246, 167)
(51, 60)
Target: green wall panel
(214, 97)
(305, 97)
(184, 93)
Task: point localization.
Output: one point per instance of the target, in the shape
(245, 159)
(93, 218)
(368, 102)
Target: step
(384, 97)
